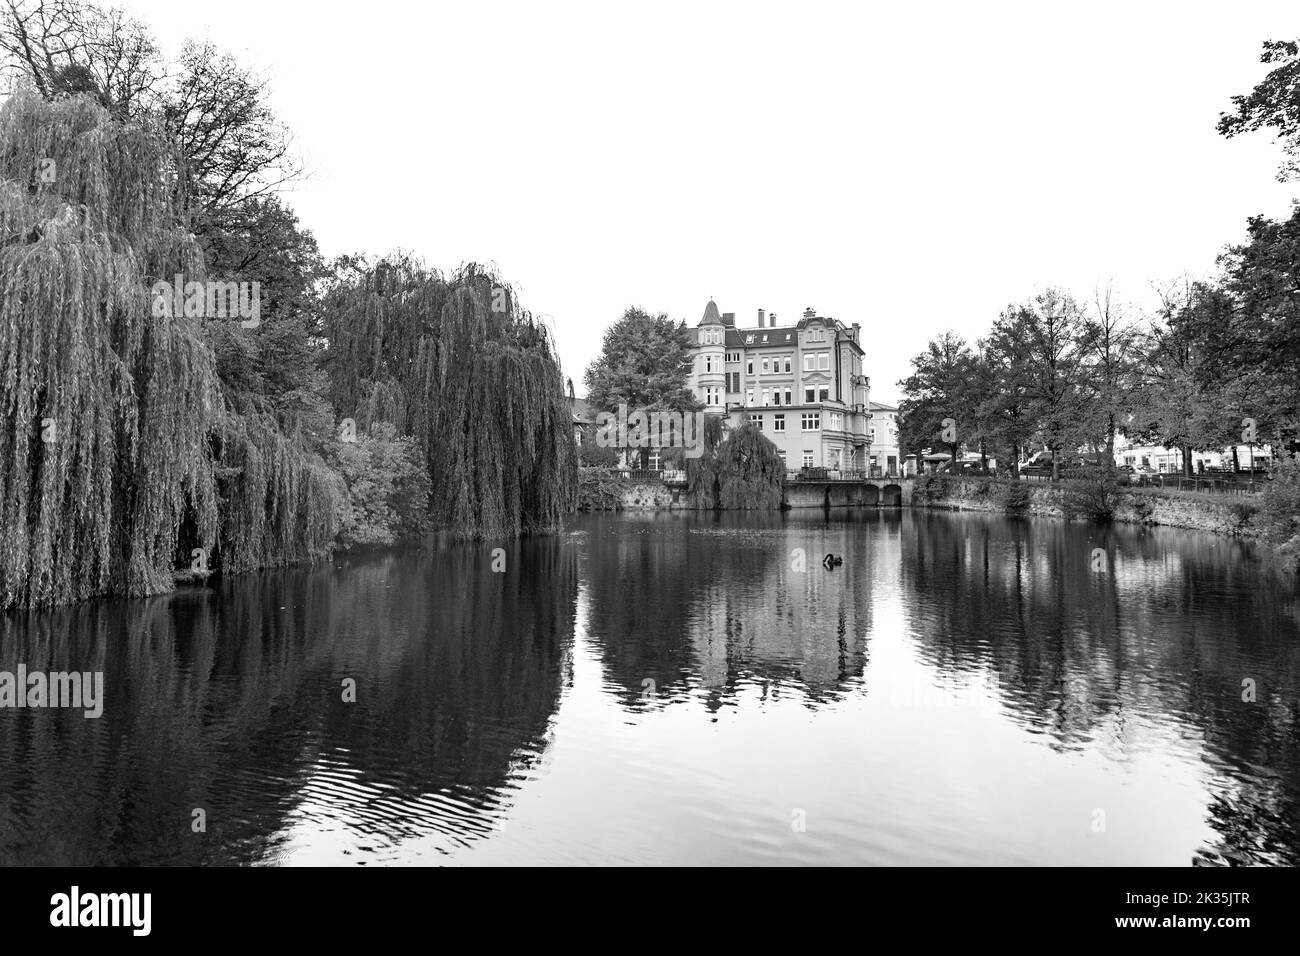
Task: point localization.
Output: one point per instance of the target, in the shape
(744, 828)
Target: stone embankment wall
(1220, 514)
(644, 495)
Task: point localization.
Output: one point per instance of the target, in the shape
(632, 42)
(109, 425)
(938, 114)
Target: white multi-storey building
(884, 439)
(802, 384)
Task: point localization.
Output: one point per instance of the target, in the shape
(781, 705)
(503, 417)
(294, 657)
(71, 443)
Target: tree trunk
(1110, 442)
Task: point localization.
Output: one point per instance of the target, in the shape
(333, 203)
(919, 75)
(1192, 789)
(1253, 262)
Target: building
(1163, 460)
(584, 421)
(885, 458)
(802, 384)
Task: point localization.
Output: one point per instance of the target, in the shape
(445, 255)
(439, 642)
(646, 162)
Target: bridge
(814, 487)
(823, 488)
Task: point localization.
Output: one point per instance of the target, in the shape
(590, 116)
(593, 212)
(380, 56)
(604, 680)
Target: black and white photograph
(711, 435)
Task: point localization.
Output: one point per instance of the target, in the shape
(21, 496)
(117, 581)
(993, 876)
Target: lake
(682, 688)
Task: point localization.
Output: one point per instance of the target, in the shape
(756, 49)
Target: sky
(911, 168)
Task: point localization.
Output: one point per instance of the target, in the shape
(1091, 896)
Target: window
(778, 424)
(757, 420)
(825, 393)
(776, 396)
(835, 421)
(807, 459)
(749, 367)
(749, 340)
(749, 396)
(764, 336)
(765, 368)
(808, 361)
(812, 421)
(766, 395)
(809, 395)
(708, 363)
(835, 459)
(787, 363)
(787, 397)
(824, 361)
(711, 396)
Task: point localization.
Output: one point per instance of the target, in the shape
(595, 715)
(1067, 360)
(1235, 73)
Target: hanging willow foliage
(740, 469)
(456, 363)
(114, 427)
(279, 504)
(104, 410)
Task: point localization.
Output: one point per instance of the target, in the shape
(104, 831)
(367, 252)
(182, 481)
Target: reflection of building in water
(775, 626)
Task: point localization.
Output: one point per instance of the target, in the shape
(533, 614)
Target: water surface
(674, 689)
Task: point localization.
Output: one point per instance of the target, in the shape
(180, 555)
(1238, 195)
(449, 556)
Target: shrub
(1243, 512)
(600, 489)
(1094, 495)
(387, 485)
(1144, 508)
(1012, 494)
(935, 488)
(1279, 509)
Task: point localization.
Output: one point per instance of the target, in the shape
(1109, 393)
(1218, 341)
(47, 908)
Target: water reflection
(231, 701)
(670, 688)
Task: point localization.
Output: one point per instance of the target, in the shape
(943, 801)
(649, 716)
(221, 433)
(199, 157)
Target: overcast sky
(912, 170)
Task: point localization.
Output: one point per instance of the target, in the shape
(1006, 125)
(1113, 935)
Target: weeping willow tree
(740, 469)
(113, 422)
(457, 363)
(105, 411)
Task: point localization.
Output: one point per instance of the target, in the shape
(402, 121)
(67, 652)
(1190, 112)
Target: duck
(832, 560)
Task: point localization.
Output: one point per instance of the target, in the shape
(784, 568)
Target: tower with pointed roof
(708, 379)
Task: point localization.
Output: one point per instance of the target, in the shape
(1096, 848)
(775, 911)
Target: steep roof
(740, 338)
(711, 314)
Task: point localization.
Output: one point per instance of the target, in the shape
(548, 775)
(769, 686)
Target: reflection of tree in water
(231, 700)
(1169, 629)
(712, 602)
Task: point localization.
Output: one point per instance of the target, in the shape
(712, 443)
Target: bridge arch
(892, 496)
(871, 495)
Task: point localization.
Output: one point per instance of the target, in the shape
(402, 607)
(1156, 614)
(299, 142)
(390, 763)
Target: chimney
(810, 313)
(762, 318)
(772, 319)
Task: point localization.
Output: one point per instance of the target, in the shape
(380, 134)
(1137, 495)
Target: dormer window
(749, 340)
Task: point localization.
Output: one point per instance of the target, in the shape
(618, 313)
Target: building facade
(885, 457)
(1163, 460)
(802, 384)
